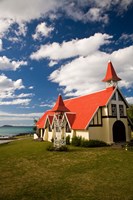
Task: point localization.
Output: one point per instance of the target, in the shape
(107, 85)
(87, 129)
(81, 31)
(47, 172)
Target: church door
(119, 134)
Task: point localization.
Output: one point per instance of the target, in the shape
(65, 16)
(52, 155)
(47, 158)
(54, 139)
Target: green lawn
(29, 172)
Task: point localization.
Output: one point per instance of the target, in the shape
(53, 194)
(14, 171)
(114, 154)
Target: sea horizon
(9, 131)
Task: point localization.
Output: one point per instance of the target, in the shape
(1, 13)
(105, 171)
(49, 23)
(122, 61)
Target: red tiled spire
(111, 74)
(59, 105)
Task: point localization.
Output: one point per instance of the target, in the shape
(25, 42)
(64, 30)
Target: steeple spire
(111, 77)
(59, 105)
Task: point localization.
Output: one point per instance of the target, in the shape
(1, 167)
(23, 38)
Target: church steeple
(59, 105)
(111, 77)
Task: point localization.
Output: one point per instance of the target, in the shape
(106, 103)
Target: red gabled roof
(59, 105)
(86, 106)
(81, 109)
(50, 117)
(41, 121)
(71, 117)
(110, 74)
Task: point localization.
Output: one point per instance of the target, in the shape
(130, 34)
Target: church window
(114, 97)
(121, 109)
(114, 109)
(119, 97)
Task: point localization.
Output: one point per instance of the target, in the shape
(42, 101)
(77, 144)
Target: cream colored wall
(83, 133)
(50, 135)
(45, 137)
(101, 132)
(104, 111)
(105, 133)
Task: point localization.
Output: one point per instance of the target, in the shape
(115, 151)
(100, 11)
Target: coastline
(7, 139)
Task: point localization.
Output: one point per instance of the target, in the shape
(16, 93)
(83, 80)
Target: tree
(35, 127)
(130, 112)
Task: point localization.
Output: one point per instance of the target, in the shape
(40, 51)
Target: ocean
(15, 130)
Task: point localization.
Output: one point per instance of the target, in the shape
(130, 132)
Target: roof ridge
(86, 94)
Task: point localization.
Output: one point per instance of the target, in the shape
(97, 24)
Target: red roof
(59, 105)
(81, 109)
(42, 120)
(86, 106)
(111, 74)
(50, 117)
(71, 117)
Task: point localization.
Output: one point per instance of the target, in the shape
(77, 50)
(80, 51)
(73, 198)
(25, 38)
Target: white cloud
(16, 102)
(52, 63)
(46, 105)
(129, 100)
(22, 29)
(21, 12)
(42, 30)
(18, 119)
(94, 14)
(8, 86)
(0, 45)
(125, 38)
(8, 64)
(23, 95)
(22, 115)
(81, 47)
(5, 23)
(97, 10)
(31, 87)
(84, 74)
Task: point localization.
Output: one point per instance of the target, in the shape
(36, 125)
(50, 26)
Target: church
(98, 116)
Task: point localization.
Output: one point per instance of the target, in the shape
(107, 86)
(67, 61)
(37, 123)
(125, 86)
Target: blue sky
(60, 47)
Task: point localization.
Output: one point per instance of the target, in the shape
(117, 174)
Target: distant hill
(7, 126)
(14, 126)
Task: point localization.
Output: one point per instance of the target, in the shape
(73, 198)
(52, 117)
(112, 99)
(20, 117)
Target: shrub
(52, 140)
(128, 146)
(52, 148)
(63, 148)
(76, 141)
(93, 143)
(68, 140)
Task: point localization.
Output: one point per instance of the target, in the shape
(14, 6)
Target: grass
(30, 172)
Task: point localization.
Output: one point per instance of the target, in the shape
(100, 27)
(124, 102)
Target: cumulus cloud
(129, 100)
(16, 102)
(42, 30)
(0, 45)
(125, 38)
(21, 12)
(95, 11)
(84, 74)
(81, 47)
(8, 86)
(52, 63)
(8, 64)
(18, 119)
